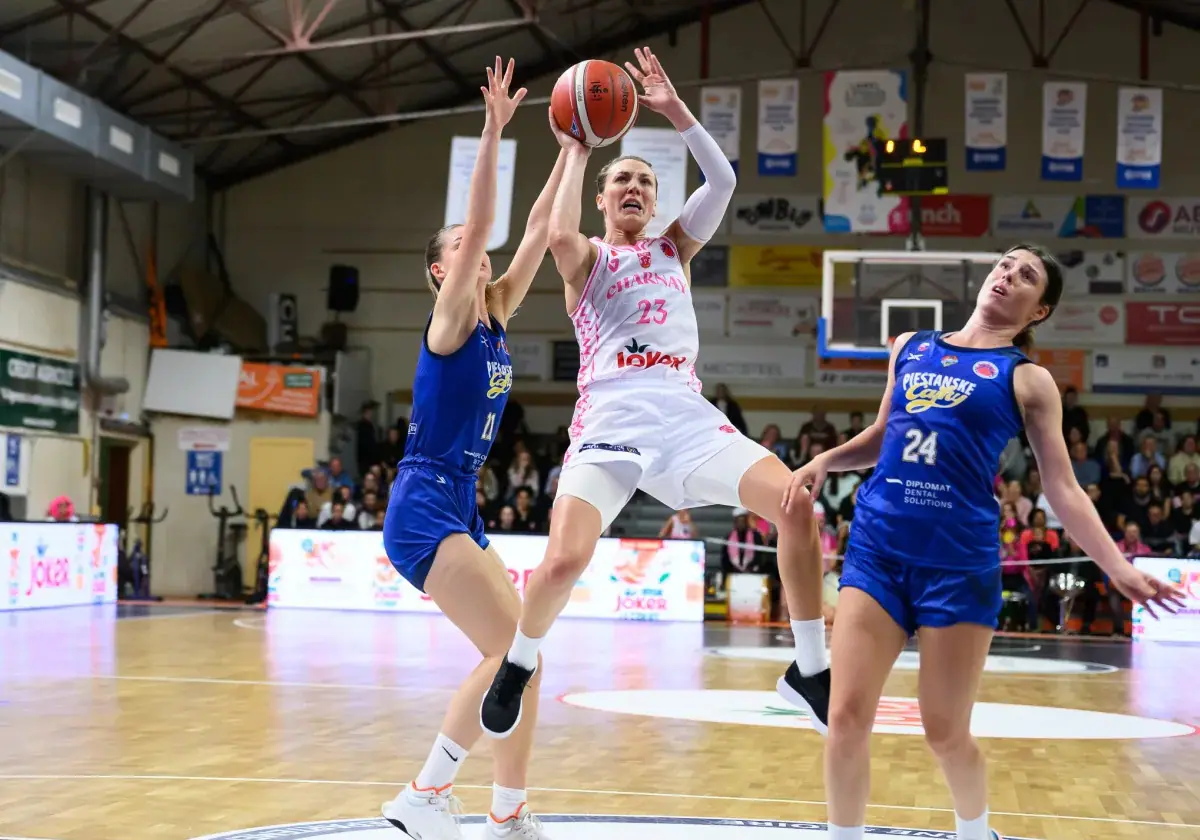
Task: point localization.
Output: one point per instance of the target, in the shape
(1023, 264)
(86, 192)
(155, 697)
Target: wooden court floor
(180, 723)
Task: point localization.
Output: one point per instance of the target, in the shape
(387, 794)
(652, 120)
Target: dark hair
(602, 177)
(433, 253)
(1023, 340)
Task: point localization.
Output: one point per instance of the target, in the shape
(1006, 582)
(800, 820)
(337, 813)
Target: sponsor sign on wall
(1066, 366)
(57, 564)
(775, 265)
(1162, 272)
(867, 374)
(1162, 322)
(530, 358)
(279, 390)
(1164, 218)
(651, 580)
(1083, 324)
(773, 314)
(1093, 272)
(1060, 216)
(39, 392)
(953, 215)
(756, 363)
(710, 311)
(1169, 370)
(1183, 626)
(775, 215)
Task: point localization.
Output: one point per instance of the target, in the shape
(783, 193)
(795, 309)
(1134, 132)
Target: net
(870, 297)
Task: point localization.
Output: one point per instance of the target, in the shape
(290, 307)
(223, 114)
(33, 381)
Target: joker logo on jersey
(934, 390)
(636, 355)
(499, 379)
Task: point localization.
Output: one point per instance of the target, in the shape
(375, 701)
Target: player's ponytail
(1050, 297)
(433, 253)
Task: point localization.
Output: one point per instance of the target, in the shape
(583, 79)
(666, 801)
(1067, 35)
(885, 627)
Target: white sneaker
(522, 825)
(425, 815)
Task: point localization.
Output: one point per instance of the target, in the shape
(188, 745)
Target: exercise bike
(262, 572)
(138, 561)
(227, 571)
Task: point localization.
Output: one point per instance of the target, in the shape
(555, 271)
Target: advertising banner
(775, 265)
(1159, 272)
(1169, 370)
(647, 580)
(721, 116)
(1164, 218)
(778, 126)
(1062, 216)
(1066, 366)
(1183, 626)
(987, 121)
(279, 390)
(783, 315)
(1064, 128)
(1162, 322)
(776, 216)
(1084, 324)
(38, 392)
(1139, 137)
(51, 564)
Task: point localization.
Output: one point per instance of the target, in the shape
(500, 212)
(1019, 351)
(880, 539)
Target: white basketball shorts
(664, 439)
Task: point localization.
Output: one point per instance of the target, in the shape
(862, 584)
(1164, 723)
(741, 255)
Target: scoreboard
(914, 167)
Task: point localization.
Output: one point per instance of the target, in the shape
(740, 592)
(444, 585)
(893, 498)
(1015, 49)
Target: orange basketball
(595, 102)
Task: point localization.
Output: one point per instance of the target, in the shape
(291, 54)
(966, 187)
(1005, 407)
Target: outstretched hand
(500, 106)
(659, 94)
(1149, 591)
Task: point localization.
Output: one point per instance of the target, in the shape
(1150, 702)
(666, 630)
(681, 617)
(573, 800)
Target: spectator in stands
(525, 518)
(772, 440)
(343, 496)
(845, 511)
(1088, 572)
(1109, 514)
(1131, 546)
(1146, 457)
(1191, 481)
(856, 425)
(1138, 502)
(504, 520)
(338, 477)
(1160, 432)
(741, 555)
(481, 502)
(391, 450)
(679, 526)
(1043, 504)
(368, 509)
(1086, 470)
(301, 518)
(1075, 416)
(522, 473)
(1041, 543)
(1179, 462)
(819, 431)
(728, 406)
(6, 508)
(319, 492)
(487, 482)
(1145, 417)
(838, 487)
(1159, 534)
(1033, 485)
(1114, 434)
(367, 450)
(1183, 513)
(61, 509)
(338, 521)
(1160, 488)
(370, 484)
(551, 488)
(1011, 494)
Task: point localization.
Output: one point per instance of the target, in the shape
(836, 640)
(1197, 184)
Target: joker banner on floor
(1064, 126)
(987, 122)
(58, 564)
(1139, 138)
(863, 110)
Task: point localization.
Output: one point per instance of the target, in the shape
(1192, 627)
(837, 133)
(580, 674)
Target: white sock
(524, 651)
(443, 764)
(976, 829)
(505, 803)
(841, 832)
(811, 656)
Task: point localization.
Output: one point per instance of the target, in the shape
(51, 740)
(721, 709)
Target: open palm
(659, 94)
(501, 106)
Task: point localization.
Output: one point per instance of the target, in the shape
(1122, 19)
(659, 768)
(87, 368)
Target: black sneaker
(808, 693)
(500, 713)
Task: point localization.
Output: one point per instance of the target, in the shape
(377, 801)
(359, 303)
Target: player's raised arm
(705, 208)
(1041, 406)
(455, 312)
(574, 254)
(860, 452)
(515, 283)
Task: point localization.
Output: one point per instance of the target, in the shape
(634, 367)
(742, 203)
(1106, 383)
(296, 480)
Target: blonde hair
(433, 253)
(602, 177)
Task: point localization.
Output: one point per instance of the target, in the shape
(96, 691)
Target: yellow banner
(775, 265)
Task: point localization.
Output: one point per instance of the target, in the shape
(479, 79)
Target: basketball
(595, 102)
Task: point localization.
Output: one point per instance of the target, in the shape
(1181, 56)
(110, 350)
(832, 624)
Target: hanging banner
(1139, 138)
(1164, 218)
(987, 122)
(721, 116)
(667, 152)
(1156, 272)
(463, 151)
(863, 110)
(1064, 122)
(775, 216)
(778, 126)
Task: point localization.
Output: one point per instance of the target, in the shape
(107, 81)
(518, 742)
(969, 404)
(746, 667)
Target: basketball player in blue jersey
(433, 532)
(923, 555)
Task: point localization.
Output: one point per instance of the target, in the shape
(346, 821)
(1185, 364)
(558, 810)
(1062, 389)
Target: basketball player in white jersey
(641, 421)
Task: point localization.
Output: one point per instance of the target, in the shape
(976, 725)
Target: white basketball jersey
(635, 320)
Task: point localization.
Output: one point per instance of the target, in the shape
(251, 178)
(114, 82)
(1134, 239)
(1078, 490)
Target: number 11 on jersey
(489, 426)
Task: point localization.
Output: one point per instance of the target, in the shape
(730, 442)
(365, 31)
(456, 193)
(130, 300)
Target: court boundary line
(577, 791)
(222, 681)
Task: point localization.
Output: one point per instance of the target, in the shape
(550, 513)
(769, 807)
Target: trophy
(1067, 587)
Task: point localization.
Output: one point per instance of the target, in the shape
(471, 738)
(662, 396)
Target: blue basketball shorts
(921, 596)
(425, 507)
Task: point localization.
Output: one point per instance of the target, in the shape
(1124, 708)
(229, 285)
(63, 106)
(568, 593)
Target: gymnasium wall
(375, 204)
(42, 234)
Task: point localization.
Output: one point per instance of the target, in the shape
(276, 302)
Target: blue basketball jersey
(458, 401)
(931, 499)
